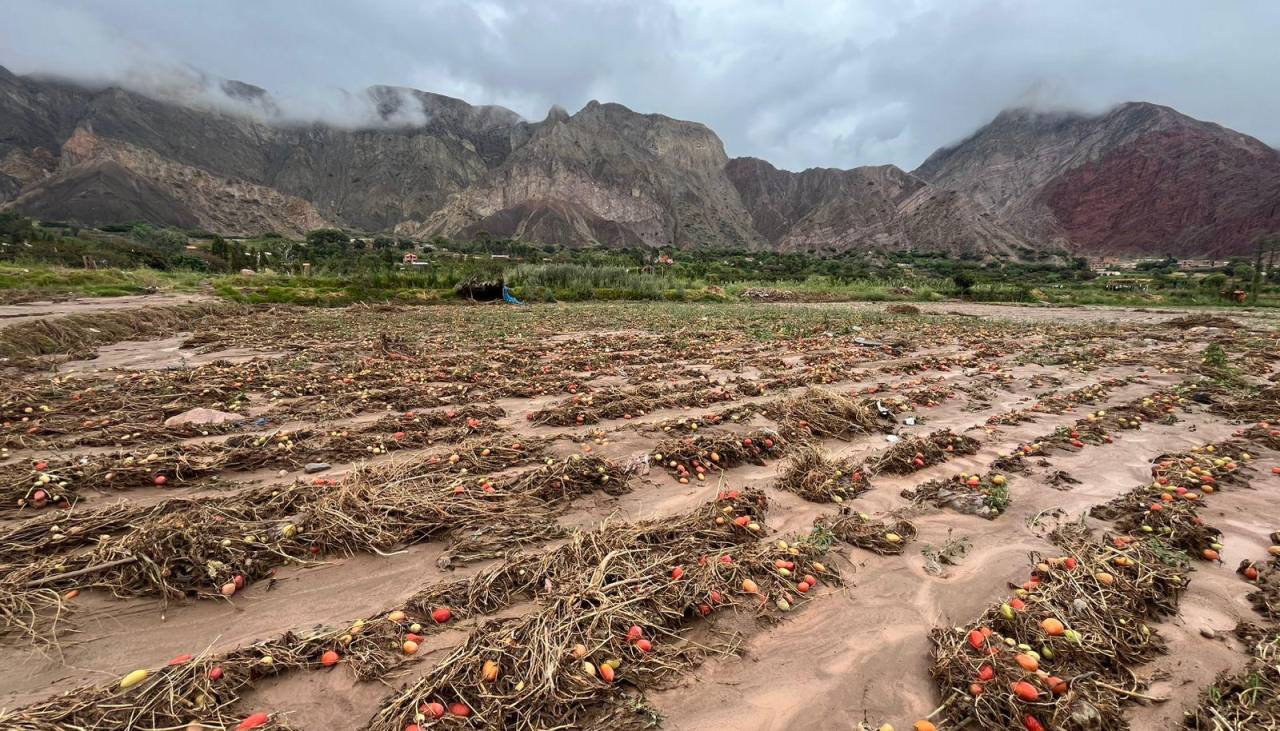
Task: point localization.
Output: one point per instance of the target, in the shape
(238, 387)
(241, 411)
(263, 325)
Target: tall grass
(1001, 292)
(23, 281)
(578, 282)
(818, 287)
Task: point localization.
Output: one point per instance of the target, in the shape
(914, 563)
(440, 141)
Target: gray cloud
(797, 82)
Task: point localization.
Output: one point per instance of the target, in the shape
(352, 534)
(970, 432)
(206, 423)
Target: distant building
(1104, 264)
(1191, 265)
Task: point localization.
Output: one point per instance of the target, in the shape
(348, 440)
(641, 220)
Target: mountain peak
(1138, 177)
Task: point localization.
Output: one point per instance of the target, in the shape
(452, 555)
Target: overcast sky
(801, 83)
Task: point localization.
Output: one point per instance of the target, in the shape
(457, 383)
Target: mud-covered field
(638, 516)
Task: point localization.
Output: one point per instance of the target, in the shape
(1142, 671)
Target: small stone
(1208, 634)
(314, 467)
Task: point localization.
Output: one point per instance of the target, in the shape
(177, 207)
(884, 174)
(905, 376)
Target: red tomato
(432, 710)
(976, 640)
(1024, 690)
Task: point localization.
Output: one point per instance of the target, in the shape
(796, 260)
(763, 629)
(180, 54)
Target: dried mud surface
(853, 653)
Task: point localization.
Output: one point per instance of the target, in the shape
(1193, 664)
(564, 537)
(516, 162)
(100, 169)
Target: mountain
(882, 208)
(1139, 178)
(221, 155)
(111, 155)
(611, 175)
(223, 158)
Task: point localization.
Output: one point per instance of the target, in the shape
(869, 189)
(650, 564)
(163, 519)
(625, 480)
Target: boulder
(200, 416)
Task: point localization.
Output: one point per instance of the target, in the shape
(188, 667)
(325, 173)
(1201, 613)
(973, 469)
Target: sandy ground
(857, 653)
(1081, 314)
(26, 311)
(136, 355)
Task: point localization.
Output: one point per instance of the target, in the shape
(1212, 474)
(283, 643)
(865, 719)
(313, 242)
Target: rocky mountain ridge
(1139, 178)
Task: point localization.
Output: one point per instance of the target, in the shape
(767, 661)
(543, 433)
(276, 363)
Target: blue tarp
(508, 297)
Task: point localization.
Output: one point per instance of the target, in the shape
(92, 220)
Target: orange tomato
(1053, 627)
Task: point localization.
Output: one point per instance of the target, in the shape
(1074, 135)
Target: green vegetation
(336, 267)
(35, 281)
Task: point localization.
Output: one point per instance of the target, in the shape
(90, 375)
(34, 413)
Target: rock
(314, 467)
(1208, 633)
(201, 415)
